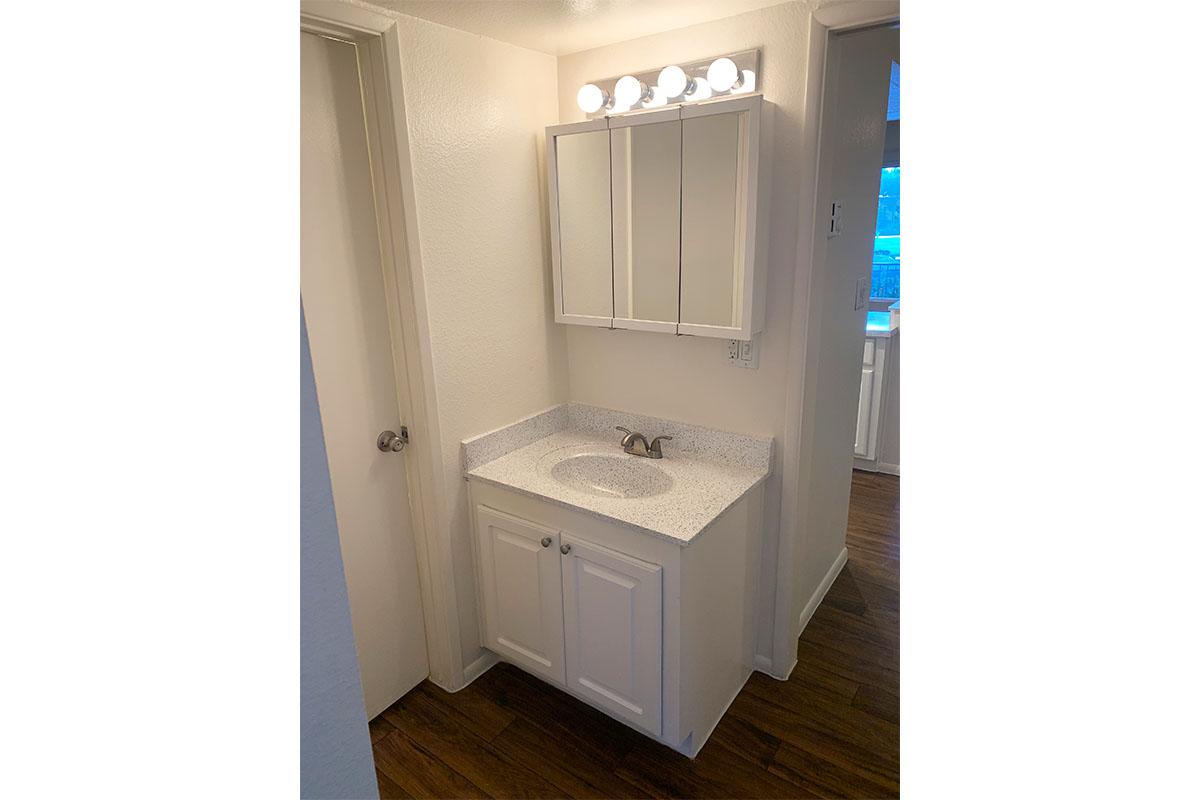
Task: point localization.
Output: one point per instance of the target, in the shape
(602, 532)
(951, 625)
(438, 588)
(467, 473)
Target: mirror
(645, 223)
(713, 211)
(654, 219)
(584, 223)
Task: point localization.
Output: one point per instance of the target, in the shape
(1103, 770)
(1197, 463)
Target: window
(885, 266)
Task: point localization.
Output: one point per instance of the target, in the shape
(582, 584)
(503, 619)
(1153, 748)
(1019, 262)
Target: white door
(862, 428)
(522, 592)
(341, 286)
(612, 608)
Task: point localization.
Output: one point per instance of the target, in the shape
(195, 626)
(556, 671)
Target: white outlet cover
(744, 354)
(862, 292)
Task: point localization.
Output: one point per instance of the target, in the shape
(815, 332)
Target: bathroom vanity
(627, 581)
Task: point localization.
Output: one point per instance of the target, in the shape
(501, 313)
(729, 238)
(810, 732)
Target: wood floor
(831, 730)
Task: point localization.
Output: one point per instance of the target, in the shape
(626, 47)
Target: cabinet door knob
(564, 549)
(546, 541)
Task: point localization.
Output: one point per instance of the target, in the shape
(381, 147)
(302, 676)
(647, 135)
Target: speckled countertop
(701, 489)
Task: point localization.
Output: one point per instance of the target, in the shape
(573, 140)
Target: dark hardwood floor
(831, 730)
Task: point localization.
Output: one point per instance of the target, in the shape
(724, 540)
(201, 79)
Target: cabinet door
(612, 604)
(522, 592)
(581, 222)
(862, 429)
(718, 293)
(645, 220)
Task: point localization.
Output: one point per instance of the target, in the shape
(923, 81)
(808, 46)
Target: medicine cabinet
(655, 219)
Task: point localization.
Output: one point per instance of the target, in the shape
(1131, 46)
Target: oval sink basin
(611, 475)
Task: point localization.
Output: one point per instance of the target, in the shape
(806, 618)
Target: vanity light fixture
(629, 91)
(690, 82)
(592, 98)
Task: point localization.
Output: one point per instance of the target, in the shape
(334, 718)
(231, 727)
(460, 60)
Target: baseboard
(810, 607)
(767, 667)
(478, 667)
(876, 466)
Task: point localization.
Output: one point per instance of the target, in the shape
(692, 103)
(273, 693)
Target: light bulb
(747, 83)
(702, 92)
(657, 98)
(591, 98)
(630, 91)
(724, 75)
(674, 82)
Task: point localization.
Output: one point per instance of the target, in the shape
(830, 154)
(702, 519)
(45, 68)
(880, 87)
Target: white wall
(335, 745)
(476, 112)
(852, 136)
(686, 378)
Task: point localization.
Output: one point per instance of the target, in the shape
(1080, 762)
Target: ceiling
(559, 27)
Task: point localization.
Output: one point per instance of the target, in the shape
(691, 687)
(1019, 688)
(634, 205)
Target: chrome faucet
(635, 444)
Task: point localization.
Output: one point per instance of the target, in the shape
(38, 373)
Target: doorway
(342, 290)
(852, 131)
(860, 152)
(877, 430)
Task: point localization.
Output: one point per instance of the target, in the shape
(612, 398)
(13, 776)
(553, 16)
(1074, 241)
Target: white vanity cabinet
(655, 219)
(655, 633)
(870, 394)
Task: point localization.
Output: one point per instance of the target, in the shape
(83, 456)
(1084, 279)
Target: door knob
(546, 541)
(564, 549)
(392, 442)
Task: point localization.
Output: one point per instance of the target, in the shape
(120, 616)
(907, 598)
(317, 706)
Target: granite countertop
(704, 483)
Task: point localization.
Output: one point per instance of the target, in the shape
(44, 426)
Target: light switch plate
(835, 221)
(862, 292)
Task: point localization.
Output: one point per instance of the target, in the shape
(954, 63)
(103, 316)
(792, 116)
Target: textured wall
(686, 378)
(335, 746)
(476, 112)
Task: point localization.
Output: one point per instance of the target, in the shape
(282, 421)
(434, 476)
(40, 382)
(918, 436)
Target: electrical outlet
(862, 291)
(743, 354)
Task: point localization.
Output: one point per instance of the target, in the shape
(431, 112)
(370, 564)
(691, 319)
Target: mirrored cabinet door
(718, 201)
(646, 154)
(582, 237)
(654, 219)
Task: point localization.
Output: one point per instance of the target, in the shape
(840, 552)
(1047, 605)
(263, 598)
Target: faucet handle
(628, 434)
(656, 448)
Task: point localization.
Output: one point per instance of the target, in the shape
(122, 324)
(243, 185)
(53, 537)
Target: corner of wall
(476, 110)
